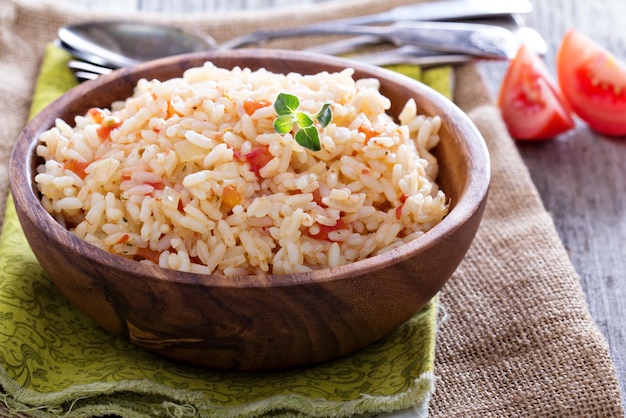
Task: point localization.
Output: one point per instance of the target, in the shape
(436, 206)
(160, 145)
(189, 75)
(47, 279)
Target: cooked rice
(190, 174)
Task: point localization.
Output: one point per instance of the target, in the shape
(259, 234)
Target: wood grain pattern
(258, 322)
(580, 177)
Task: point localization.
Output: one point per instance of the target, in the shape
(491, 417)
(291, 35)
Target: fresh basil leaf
(286, 104)
(309, 138)
(303, 120)
(307, 135)
(325, 115)
(283, 124)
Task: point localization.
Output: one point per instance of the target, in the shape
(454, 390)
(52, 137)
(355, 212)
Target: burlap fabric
(518, 339)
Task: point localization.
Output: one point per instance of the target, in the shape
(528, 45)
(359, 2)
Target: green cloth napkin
(54, 361)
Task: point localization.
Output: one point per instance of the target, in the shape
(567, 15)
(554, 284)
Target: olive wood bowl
(264, 322)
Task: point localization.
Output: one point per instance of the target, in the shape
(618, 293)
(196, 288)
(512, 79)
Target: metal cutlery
(422, 56)
(425, 33)
(488, 41)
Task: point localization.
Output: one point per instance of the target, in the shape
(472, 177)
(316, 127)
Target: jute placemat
(518, 339)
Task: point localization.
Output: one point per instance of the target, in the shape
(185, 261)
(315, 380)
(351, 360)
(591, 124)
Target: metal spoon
(116, 44)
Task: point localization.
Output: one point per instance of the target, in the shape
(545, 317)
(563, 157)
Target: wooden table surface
(581, 176)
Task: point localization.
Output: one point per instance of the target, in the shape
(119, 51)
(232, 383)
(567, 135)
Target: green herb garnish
(307, 135)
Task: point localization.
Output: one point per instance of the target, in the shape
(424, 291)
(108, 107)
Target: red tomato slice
(594, 82)
(531, 103)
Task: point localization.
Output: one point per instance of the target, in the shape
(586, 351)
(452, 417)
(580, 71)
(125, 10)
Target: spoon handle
(486, 41)
(467, 38)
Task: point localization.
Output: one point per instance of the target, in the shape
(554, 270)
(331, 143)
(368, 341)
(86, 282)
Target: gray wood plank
(580, 177)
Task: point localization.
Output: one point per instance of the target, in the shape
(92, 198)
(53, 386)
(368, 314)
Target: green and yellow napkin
(55, 362)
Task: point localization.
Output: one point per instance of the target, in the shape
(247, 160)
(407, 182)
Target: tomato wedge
(530, 101)
(594, 82)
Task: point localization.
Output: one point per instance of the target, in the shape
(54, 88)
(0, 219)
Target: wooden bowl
(257, 322)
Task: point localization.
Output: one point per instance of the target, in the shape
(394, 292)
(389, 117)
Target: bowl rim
(469, 202)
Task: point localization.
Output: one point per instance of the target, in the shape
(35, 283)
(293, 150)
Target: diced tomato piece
(257, 158)
(317, 198)
(403, 199)
(123, 239)
(107, 123)
(171, 111)
(230, 196)
(157, 186)
(250, 105)
(324, 230)
(77, 167)
(96, 115)
(104, 131)
(369, 133)
(399, 212)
